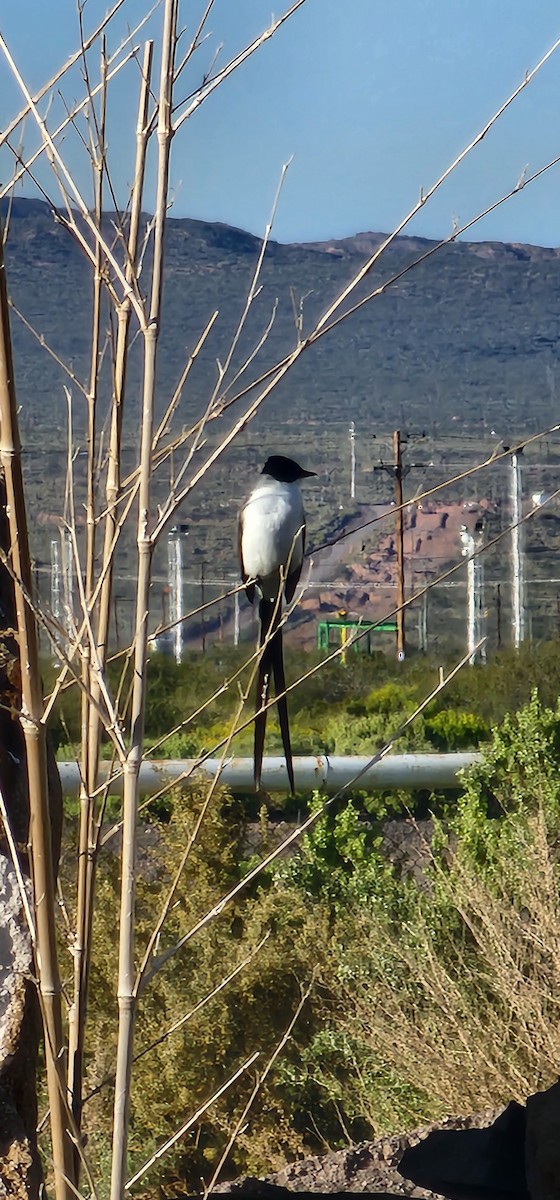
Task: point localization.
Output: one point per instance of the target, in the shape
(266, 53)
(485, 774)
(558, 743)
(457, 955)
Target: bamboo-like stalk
(224, 367)
(35, 745)
(113, 483)
(126, 997)
(70, 192)
(84, 898)
(193, 837)
(210, 85)
(91, 695)
(188, 1016)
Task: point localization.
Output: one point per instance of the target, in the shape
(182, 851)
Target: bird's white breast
(271, 536)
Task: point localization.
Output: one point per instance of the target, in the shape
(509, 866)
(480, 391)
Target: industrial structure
(176, 539)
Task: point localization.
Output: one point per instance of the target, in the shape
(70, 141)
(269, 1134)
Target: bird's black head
(285, 470)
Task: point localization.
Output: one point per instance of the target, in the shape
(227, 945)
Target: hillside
(466, 344)
(468, 335)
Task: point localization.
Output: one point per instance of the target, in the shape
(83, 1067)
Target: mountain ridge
(362, 242)
(468, 334)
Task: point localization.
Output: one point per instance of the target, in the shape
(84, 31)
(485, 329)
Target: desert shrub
(431, 994)
(364, 735)
(454, 729)
(251, 1013)
(326, 710)
(443, 988)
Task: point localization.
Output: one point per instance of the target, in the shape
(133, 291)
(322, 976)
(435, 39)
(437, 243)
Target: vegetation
(432, 990)
(357, 969)
(340, 709)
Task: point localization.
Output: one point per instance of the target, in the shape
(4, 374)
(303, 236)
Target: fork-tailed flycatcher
(271, 548)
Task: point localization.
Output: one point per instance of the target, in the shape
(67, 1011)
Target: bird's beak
(308, 474)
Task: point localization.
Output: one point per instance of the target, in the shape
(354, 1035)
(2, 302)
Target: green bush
(447, 985)
(454, 729)
(251, 1013)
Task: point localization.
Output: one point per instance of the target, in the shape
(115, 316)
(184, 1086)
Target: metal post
(476, 613)
(202, 603)
(471, 604)
(67, 577)
(468, 553)
(62, 580)
(56, 581)
(517, 589)
(352, 432)
(175, 575)
(479, 606)
(499, 616)
(236, 619)
(399, 523)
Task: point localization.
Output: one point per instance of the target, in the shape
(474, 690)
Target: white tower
(176, 579)
(62, 580)
(476, 614)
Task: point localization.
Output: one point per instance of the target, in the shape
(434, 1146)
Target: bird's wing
(249, 587)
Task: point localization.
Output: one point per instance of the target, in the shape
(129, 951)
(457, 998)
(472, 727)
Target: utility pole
(236, 619)
(56, 580)
(476, 612)
(62, 580)
(352, 433)
(202, 603)
(398, 473)
(423, 618)
(176, 583)
(517, 583)
(399, 518)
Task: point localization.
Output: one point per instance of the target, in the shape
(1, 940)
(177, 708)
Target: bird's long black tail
(271, 661)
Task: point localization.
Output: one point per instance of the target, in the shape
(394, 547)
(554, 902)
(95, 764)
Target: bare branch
(7, 132)
(234, 63)
(172, 1141)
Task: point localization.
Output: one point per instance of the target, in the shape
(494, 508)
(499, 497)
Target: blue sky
(373, 98)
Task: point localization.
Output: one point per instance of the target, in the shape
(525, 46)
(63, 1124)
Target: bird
(271, 550)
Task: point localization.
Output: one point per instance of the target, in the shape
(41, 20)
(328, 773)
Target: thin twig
(172, 1141)
(296, 834)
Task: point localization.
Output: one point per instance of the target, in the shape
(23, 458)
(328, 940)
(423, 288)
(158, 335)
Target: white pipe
(406, 771)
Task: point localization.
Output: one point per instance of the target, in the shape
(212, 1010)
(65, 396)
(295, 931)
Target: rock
(247, 1185)
(474, 1164)
(20, 1171)
(542, 1144)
